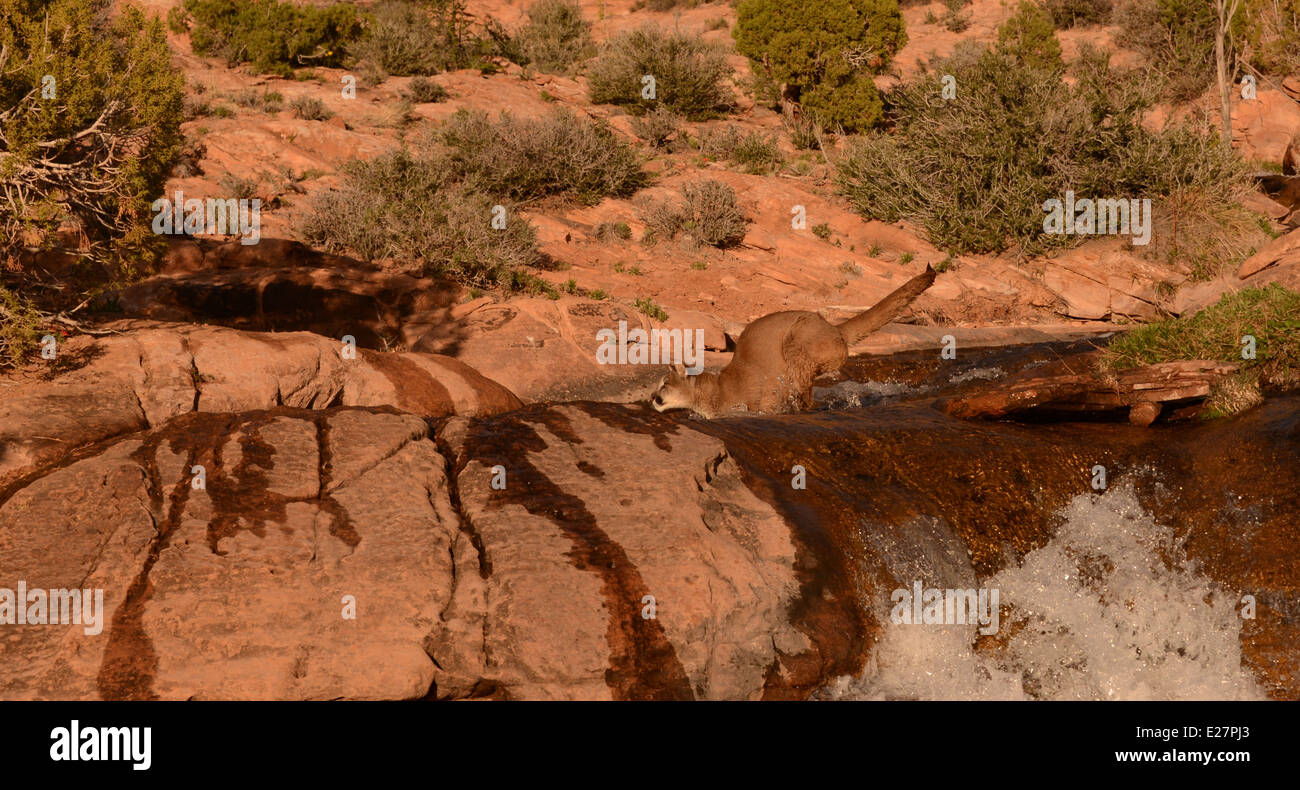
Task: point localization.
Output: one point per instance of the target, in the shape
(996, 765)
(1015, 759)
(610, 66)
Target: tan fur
(779, 356)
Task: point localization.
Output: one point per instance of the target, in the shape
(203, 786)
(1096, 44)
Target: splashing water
(854, 394)
(1096, 613)
(977, 374)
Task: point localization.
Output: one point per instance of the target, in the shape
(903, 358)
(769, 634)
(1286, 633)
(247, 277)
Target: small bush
(269, 102)
(1029, 38)
(195, 107)
(651, 309)
(559, 154)
(1177, 38)
(239, 187)
(1079, 13)
(1270, 314)
(974, 172)
(754, 152)
(310, 108)
(803, 131)
(953, 18)
(1272, 32)
(708, 214)
(403, 206)
(273, 37)
(757, 154)
(20, 325)
(689, 74)
(660, 128)
(613, 231)
(95, 155)
(437, 203)
(556, 37)
(425, 91)
(825, 53)
(401, 40)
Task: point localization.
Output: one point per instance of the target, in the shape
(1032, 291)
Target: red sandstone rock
(100, 388)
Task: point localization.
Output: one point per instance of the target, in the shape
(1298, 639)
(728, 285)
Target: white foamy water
(977, 374)
(1094, 614)
(851, 394)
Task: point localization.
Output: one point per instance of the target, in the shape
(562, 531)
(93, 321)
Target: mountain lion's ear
(680, 370)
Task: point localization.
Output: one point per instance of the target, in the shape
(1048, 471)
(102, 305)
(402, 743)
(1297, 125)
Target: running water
(1108, 609)
(1136, 592)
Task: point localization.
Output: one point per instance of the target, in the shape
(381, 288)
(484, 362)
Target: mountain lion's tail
(868, 321)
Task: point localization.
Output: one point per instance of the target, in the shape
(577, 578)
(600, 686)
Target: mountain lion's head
(676, 391)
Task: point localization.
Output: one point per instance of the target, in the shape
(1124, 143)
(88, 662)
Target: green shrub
(707, 213)
(437, 203)
(660, 128)
(1079, 13)
(401, 40)
(310, 108)
(1270, 314)
(953, 18)
(1272, 33)
(1177, 38)
(974, 171)
(461, 42)
(1029, 38)
(825, 53)
(273, 37)
(804, 132)
(755, 152)
(688, 73)
(20, 326)
(266, 101)
(651, 309)
(425, 91)
(613, 231)
(403, 206)
(559, 154)
(97, 152)
(556, 36)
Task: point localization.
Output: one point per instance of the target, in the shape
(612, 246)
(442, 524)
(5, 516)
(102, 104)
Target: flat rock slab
(98, 388)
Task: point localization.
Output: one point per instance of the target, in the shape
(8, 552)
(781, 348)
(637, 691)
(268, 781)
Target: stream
(1174, 577)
